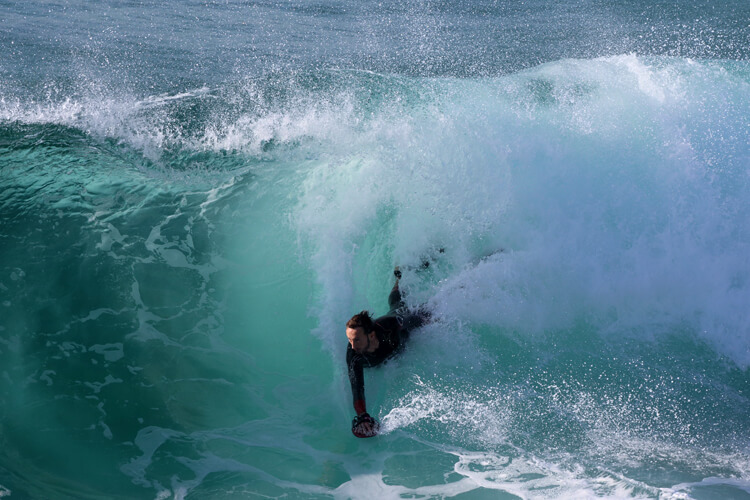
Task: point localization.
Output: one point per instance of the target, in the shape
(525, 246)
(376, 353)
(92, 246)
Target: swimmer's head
(361, 333)
(361, 320)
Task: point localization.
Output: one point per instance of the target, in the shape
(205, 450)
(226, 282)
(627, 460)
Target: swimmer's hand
(365, 426)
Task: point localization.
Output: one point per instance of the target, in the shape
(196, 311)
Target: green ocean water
(194, 198)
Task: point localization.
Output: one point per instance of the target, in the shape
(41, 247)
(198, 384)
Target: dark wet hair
(361, 320)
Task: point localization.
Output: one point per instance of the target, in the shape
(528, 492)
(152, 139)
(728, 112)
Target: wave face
(182, 237)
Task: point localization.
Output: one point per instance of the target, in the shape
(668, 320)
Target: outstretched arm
(356, 379)
(363, 424)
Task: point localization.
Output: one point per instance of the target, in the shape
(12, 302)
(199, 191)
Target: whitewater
(196, 196)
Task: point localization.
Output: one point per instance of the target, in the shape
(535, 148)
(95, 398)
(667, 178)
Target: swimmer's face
(359, 341)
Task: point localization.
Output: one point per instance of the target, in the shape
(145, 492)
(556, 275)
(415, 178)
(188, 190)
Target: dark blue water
(195, 196)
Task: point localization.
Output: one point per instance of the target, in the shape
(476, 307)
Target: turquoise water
(195, 196)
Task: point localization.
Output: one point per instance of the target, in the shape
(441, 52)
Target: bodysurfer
(372, 342)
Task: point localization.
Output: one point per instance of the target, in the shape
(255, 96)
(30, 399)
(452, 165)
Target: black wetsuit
(392, 330)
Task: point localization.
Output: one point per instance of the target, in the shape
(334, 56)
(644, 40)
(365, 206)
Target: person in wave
(371, 343)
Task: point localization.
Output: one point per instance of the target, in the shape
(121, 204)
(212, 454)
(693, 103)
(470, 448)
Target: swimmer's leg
(417, 318)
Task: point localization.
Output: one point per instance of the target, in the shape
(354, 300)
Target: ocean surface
(196, 195)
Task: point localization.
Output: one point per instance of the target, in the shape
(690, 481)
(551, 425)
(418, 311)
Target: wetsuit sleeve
(356, 379)
(394, 299)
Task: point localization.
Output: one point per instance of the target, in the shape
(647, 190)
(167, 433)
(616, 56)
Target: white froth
(610, 207)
